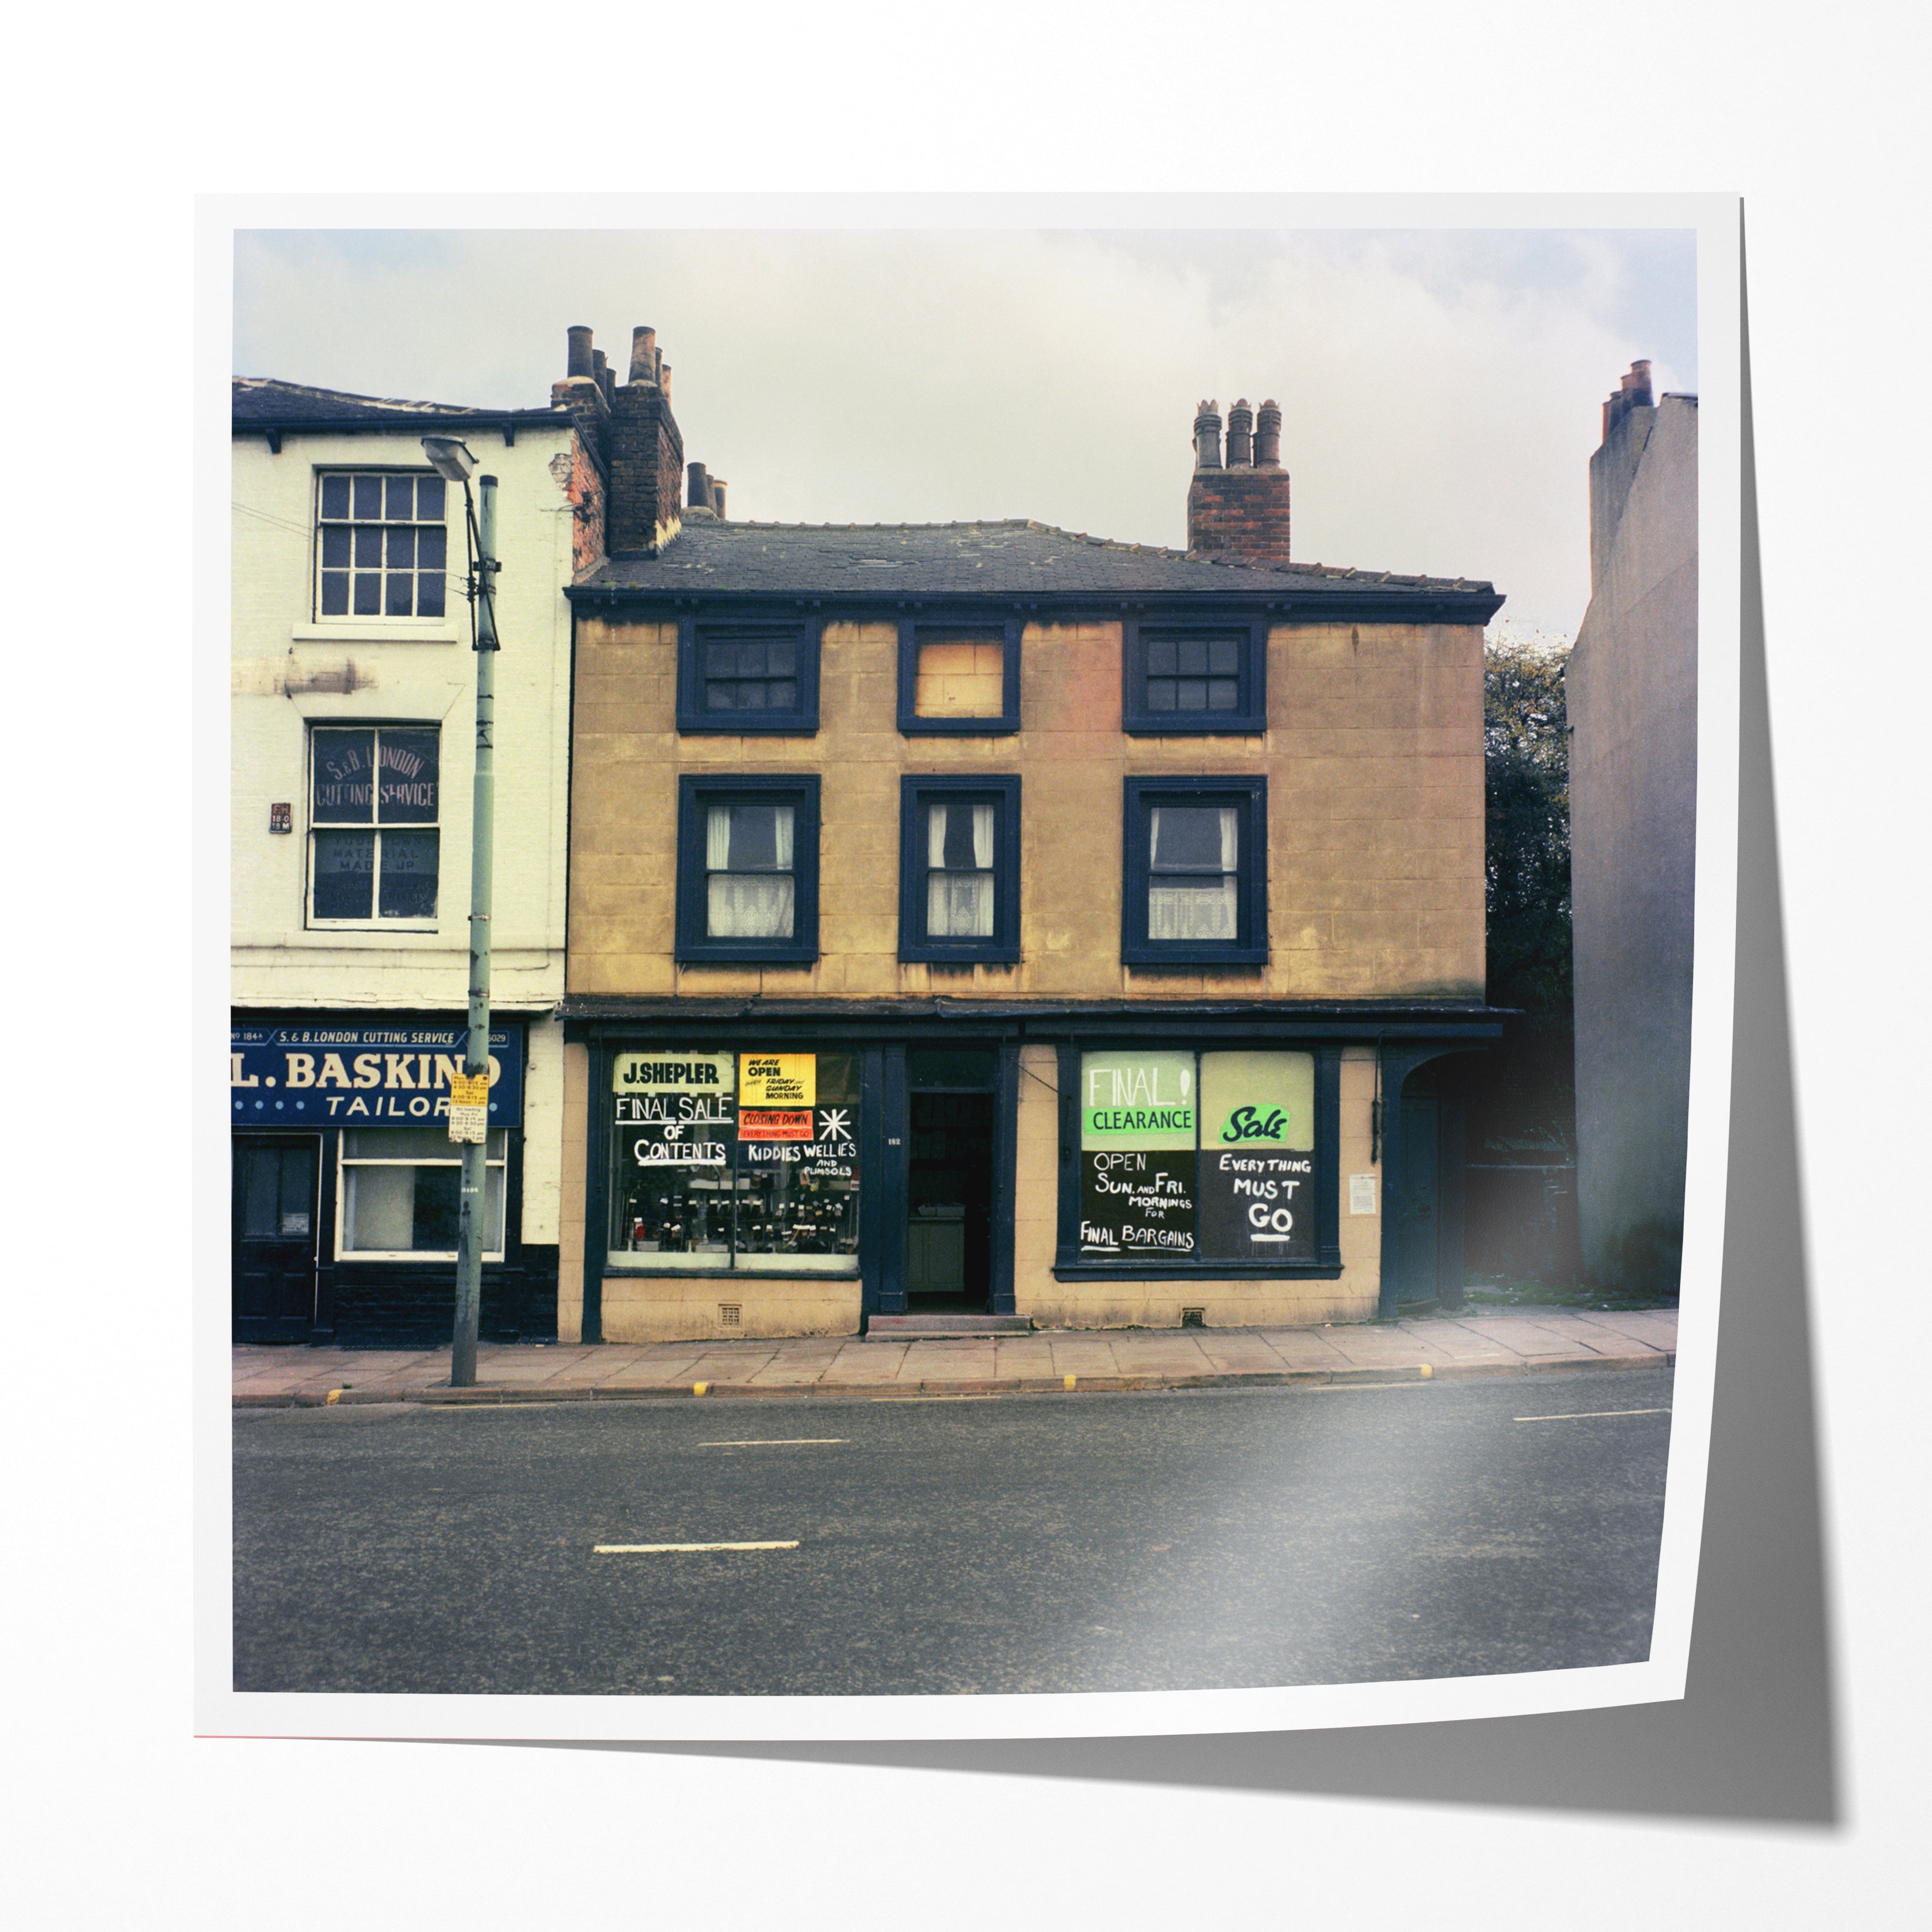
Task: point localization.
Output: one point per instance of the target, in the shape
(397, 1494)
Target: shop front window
(1202, 1157)
(401, 1194)
(735, 1163)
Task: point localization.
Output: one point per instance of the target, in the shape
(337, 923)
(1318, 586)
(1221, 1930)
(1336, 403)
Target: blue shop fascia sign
(321, 1075)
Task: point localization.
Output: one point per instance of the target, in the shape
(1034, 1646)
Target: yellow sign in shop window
(778, 1079)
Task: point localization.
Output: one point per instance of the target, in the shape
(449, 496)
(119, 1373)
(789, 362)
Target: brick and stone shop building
(985, 919)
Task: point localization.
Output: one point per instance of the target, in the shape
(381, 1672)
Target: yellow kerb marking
(332, 1397)
(700, 1388)
(1067, 1381)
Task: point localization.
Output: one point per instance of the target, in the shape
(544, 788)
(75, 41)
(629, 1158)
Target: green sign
(1137, 1100)
(1264, 1100)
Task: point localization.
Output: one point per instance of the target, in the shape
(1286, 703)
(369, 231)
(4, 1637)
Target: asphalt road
(1186, 1540)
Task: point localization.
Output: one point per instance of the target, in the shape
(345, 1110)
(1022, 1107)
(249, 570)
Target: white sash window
(1193, 872)
(959, 871)
(748, 871)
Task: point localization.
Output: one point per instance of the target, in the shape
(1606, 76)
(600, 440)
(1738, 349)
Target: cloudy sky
(1439, 388)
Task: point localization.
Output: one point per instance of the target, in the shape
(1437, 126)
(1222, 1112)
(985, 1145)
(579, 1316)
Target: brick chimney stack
(646, 454)
(1239, 508)
(631, 427)
(1632, 393)
(1629, 415)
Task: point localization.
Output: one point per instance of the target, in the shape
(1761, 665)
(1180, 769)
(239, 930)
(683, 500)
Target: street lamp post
(469, 1108)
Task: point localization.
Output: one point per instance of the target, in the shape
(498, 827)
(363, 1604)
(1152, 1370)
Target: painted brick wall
(1373, 755)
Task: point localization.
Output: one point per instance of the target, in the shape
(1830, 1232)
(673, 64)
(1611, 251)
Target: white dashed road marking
(1592, 1415)
(663, 1549)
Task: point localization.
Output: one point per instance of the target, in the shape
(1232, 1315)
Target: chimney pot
(1207, 436)
(698, 490)
(578, 361)
(664, 378)
(644, 355)
(1267, 436)
(1240, 436)
(718, 497)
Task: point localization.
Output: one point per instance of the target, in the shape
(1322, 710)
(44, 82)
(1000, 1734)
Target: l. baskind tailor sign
(321, 1075)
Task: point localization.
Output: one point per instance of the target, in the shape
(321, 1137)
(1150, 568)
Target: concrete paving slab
(1478, 1342)
(1465, 1335)
(1530, 1339)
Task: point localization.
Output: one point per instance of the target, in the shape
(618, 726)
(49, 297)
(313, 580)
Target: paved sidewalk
(1502, 1343)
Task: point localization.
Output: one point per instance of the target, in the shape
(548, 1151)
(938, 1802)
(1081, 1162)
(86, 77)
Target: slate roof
(264, 401)
(1017, 558)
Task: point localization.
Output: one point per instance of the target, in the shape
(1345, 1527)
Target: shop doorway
(949, 1174)
(276, 1190)
(1424, 1250)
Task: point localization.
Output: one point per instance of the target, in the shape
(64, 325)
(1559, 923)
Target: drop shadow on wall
(1755, 1737)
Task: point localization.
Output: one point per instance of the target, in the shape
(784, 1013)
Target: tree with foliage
(1528, 1089)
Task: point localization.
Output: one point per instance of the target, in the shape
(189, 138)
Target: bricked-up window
(959, 676)
(382, 545)
(373, 804)
(1195, 889)
(749, 677)
(1191, 680)
(959, 869)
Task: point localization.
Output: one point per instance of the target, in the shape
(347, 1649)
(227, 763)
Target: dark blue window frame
(695, 716)
(929, 622)
(1002, 947)
(1247, 719)
(1249, 946)
(696, 794)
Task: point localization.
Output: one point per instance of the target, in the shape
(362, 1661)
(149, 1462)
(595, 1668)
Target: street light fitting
(450, 457)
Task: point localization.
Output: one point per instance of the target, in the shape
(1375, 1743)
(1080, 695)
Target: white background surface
(119, 1815)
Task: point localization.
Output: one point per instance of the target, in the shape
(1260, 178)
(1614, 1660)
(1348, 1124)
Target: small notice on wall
(1361, 1194)
(470, 1107)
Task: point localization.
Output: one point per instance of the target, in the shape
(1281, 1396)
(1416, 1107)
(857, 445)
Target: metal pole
(472, 1220)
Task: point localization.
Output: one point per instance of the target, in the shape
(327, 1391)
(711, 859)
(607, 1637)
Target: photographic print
(961, 962)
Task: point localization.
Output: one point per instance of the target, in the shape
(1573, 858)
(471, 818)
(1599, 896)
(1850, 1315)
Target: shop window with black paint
(1201, 1160)
(726, 1161)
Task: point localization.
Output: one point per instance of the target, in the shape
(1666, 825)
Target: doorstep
(914, 1327)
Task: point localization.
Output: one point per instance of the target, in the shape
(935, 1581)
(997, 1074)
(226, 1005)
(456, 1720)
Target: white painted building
(353, 737)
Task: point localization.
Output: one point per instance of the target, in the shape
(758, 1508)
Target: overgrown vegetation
(1528, 1090)
(1521, 1097)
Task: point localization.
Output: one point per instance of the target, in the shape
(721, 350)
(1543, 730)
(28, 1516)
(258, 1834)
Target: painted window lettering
(1154, 1178)
(735, 1163)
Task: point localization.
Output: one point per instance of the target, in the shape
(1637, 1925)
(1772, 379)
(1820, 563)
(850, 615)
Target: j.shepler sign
(1206, 1157)
(676, 1109)
(322, 1074)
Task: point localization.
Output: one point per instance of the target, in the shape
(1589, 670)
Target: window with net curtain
(749, 886)
(1193, 872)
(959, 886)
